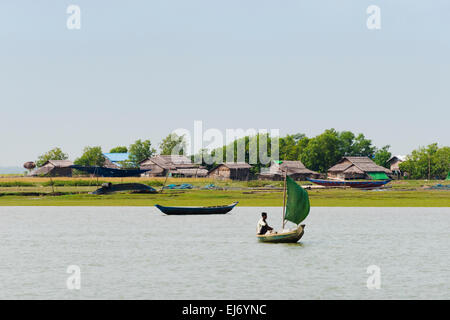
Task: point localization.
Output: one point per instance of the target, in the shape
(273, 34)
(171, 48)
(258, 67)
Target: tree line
(317, 153)
(94, 156)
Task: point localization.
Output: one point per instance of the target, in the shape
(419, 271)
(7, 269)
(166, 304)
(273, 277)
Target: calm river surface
(139, 253)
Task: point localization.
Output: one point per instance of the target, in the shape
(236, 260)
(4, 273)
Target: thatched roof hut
(295, 169)
(394, 163)
(231, 170)
(357, 168)
(54, 168)
(177, 165)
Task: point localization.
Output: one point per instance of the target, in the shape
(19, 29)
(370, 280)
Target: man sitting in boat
(263, 227)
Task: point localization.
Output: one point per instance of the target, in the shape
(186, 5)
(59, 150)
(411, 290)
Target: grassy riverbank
(74, 192)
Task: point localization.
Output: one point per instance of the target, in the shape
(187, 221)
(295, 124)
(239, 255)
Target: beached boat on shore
(366, 184)
(196, 210)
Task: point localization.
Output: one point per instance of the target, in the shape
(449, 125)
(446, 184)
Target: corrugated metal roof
(116, 157)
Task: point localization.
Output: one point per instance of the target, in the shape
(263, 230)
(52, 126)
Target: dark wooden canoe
(196, 210)
(368, 184)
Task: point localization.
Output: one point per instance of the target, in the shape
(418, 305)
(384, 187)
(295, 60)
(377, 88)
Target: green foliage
(173, 144)
(245, 149)
(54, 154)
(318, 153)
(322, 151)
(119, 149)
(72, 183)
(263, 183)
(92, 156)
(16, 184)
(382, 156)
(128, 164)
(139, 151)
(154, 183)
(427, 162)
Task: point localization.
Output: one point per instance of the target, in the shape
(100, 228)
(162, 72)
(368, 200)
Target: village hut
(115, 160)
(54, 168)
(294, 169)
(231, 170)
(394, 164)
(176, 165)
(358, 168)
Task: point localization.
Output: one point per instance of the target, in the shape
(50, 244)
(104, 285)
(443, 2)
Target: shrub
(72, 183)
(258, 183)
(16, 184)
(154, 183)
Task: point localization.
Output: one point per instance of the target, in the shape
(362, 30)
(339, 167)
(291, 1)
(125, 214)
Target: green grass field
(72, 192)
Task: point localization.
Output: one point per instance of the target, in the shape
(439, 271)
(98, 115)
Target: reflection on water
(139, 253)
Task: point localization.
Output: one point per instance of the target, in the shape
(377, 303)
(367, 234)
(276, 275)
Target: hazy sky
(139, 69)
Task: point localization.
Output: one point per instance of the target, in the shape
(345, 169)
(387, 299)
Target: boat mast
(167, 176)
(284, 198)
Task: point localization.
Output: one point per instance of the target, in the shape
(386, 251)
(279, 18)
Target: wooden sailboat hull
(285, 237)
(196, 210)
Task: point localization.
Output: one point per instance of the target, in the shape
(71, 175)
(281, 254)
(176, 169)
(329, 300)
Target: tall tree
(139, 151)
(427, 162)
(322, 151)
(363, 146)
(92, 156)
(382, 156)
(173, 143)
(54, 154)
(119, 149)
(346, 143)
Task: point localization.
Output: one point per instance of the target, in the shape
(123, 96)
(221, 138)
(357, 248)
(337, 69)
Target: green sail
(297, 203)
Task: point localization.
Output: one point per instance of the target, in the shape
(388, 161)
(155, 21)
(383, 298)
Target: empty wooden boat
(196, 210)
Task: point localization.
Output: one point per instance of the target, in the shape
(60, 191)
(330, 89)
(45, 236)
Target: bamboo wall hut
(115, 160)
(231, 170)
(295, 169)
(394, 164)
(357, 168)
(176, 165)
(54, 168)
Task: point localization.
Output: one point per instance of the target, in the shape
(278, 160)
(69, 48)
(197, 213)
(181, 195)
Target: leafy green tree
(322, 151)
(430, 161)
(363, 146)
(346, 140)
(382, 156)
(289, 148)
(92, 156)
(139, 151)
(54, 154)
(119, 149)
(173, 143)
(441, 163)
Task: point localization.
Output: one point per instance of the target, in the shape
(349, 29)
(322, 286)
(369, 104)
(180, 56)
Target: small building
(231, 170)
(295, 169)
(54, 168)
(175, 165)
(115, 160)
(394, 164)
(358, 168)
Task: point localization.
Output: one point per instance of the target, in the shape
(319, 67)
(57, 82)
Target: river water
(139, 253)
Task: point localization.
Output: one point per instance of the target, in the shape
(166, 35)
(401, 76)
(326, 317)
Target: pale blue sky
(139, 69)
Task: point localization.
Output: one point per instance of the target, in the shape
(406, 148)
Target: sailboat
(295, 209)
